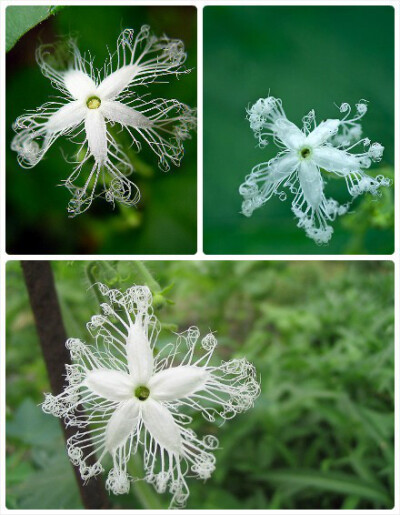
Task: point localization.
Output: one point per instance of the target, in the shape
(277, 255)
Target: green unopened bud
(159, 300)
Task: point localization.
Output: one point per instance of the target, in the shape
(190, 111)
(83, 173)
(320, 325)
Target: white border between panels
(4, 258)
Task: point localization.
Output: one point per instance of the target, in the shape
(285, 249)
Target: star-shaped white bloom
(133, 395)
(94, 100)
(298, 166)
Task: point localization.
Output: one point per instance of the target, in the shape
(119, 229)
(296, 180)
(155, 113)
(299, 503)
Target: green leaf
(20, 19)
(52, 487)
(31, 426)
(329, 481)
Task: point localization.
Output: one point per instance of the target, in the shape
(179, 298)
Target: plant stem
(52, 336)
(146, 276)
(89, 272)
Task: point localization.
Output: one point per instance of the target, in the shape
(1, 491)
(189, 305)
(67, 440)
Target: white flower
(298, 165)
(126, 395)
(94, 100)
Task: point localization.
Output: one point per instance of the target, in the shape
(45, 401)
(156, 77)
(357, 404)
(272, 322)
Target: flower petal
(120, 113)
(117, 81)
(113, 385)
(282, 167)
(335, 160)
(269, 177)
(177, 382)
(139, 353)
(79, 84)
(96, 134)
(67, 116)
(322, 132)
(161, 425)
(121, 424)
(290, 135)
(311, 183)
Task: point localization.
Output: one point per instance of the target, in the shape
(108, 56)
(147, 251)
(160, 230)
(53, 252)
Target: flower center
(93, 102)
(305, 152)
(142, 393)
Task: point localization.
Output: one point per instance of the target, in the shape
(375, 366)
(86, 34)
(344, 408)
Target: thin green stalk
(89, 272)
(146, 276)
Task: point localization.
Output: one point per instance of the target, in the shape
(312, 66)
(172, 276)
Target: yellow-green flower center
(305, 152)
(142, 393)
(93, 102)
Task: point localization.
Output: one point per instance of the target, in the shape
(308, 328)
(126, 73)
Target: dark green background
(311, 58)
(37, 219)
(321, 335)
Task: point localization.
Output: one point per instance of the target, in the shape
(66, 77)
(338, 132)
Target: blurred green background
(164, 221)
(311, 58)
(321, 336)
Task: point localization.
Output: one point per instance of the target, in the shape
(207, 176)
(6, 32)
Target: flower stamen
(305, 152)
(142, 393)
(93, 102)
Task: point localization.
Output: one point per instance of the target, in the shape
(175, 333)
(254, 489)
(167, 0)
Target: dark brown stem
(49, 324)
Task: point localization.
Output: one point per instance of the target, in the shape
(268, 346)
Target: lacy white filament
(124, 394)
(93, 100)
(304, 152)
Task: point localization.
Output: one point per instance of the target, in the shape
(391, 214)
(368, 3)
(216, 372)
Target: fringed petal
(177, 382)
(122, 424)
(161, 425)
(112, 385)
